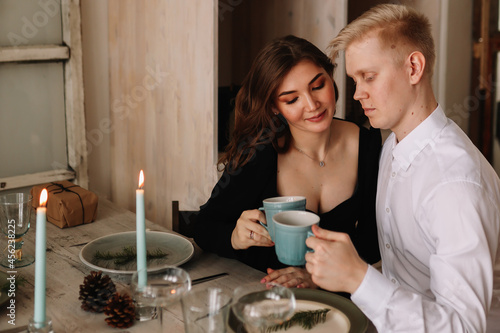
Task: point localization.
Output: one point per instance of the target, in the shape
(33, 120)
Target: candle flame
(141, 179)
(43, 197)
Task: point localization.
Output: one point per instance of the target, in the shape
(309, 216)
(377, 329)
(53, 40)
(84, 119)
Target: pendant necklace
(321, 163)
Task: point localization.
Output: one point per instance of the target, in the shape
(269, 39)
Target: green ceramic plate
(344, 315)
(178, 250)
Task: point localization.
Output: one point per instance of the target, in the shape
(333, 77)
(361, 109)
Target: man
(438, 198)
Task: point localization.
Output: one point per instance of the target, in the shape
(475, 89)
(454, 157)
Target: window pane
(32, 118)
(30, 22)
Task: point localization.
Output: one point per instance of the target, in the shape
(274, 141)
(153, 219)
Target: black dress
(245, 189)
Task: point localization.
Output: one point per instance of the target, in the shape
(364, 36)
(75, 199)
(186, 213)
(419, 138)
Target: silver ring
(251, 234)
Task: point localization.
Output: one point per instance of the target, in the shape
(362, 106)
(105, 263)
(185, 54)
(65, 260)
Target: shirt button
(387, 210)
(393, 174)
(388, 245)
(393, 281)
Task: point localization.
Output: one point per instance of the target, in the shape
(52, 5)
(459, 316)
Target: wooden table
(65, 273)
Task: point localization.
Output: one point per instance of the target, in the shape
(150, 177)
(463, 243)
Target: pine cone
(95, 291)
(121, 311)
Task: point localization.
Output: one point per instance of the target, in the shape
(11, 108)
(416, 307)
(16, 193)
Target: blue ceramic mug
(292, 229)
(275, 205)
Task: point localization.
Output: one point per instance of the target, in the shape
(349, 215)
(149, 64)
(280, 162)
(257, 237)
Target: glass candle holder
(40, 327)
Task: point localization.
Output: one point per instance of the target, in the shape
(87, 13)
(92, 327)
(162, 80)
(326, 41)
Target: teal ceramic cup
(292, 229)
(275, 205)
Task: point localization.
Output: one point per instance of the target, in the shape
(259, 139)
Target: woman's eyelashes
(318, 87)
(321, 85)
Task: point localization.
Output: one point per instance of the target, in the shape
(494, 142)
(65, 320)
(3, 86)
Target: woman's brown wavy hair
(255, 122)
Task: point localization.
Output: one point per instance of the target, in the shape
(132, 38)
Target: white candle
(141, 232)
(40, 312)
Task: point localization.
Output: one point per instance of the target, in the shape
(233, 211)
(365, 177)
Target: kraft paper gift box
(68, 204)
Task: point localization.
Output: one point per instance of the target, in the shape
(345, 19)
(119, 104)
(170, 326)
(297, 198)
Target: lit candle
(141, 231)
(40, 313)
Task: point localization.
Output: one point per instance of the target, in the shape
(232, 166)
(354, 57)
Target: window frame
(70, 53)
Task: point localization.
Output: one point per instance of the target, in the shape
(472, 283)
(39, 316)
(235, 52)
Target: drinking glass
(261, 305)
(206, 310)
(15, 215)
(161, 289)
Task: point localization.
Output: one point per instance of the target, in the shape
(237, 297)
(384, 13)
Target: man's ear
(417, 66)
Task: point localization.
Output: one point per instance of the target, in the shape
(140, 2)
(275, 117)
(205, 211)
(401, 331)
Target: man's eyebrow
(292, 91)
(360, 71)
(357, 72)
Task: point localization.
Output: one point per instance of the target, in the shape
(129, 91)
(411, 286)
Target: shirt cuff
(373, 293)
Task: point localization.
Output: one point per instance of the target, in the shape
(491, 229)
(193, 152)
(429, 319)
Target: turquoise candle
(40, 312)
(141, 232)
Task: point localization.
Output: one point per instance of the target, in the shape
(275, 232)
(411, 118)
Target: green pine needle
(127, 255)
(307, 319)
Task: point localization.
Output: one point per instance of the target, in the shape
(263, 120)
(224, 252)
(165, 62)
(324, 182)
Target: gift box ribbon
(61, 188)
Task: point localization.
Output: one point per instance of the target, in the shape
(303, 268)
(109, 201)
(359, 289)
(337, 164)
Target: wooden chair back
(183, 220)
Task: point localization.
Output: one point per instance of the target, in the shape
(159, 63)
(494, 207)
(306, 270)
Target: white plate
(336, 321)
(178, 249)
(344, 316)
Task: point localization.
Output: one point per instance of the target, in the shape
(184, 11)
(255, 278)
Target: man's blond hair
(399, 27)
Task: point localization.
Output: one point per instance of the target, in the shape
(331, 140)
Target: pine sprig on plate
(306, 319)
(127, 255)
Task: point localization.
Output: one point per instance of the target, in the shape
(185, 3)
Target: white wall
(496, 144)
(452, 25)
(455, 64)
(96, 91)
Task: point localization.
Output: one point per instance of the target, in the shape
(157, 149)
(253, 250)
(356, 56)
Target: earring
(276, 113)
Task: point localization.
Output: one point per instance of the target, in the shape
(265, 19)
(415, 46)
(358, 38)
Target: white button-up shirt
(438, 223)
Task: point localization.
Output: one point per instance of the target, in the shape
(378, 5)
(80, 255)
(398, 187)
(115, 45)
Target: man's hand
(334, 265)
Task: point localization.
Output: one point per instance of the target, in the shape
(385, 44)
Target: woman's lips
(317, 118)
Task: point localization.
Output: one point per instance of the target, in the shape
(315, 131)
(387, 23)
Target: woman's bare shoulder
(347, 129)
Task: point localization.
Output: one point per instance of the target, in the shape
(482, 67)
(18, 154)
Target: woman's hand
(248, 231)
(290, 277)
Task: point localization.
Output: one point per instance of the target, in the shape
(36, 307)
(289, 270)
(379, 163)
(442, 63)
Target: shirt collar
(424, 134)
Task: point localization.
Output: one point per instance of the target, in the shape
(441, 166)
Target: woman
(286, 142)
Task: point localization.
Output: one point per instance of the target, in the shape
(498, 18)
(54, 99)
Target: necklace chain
(322, 162)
